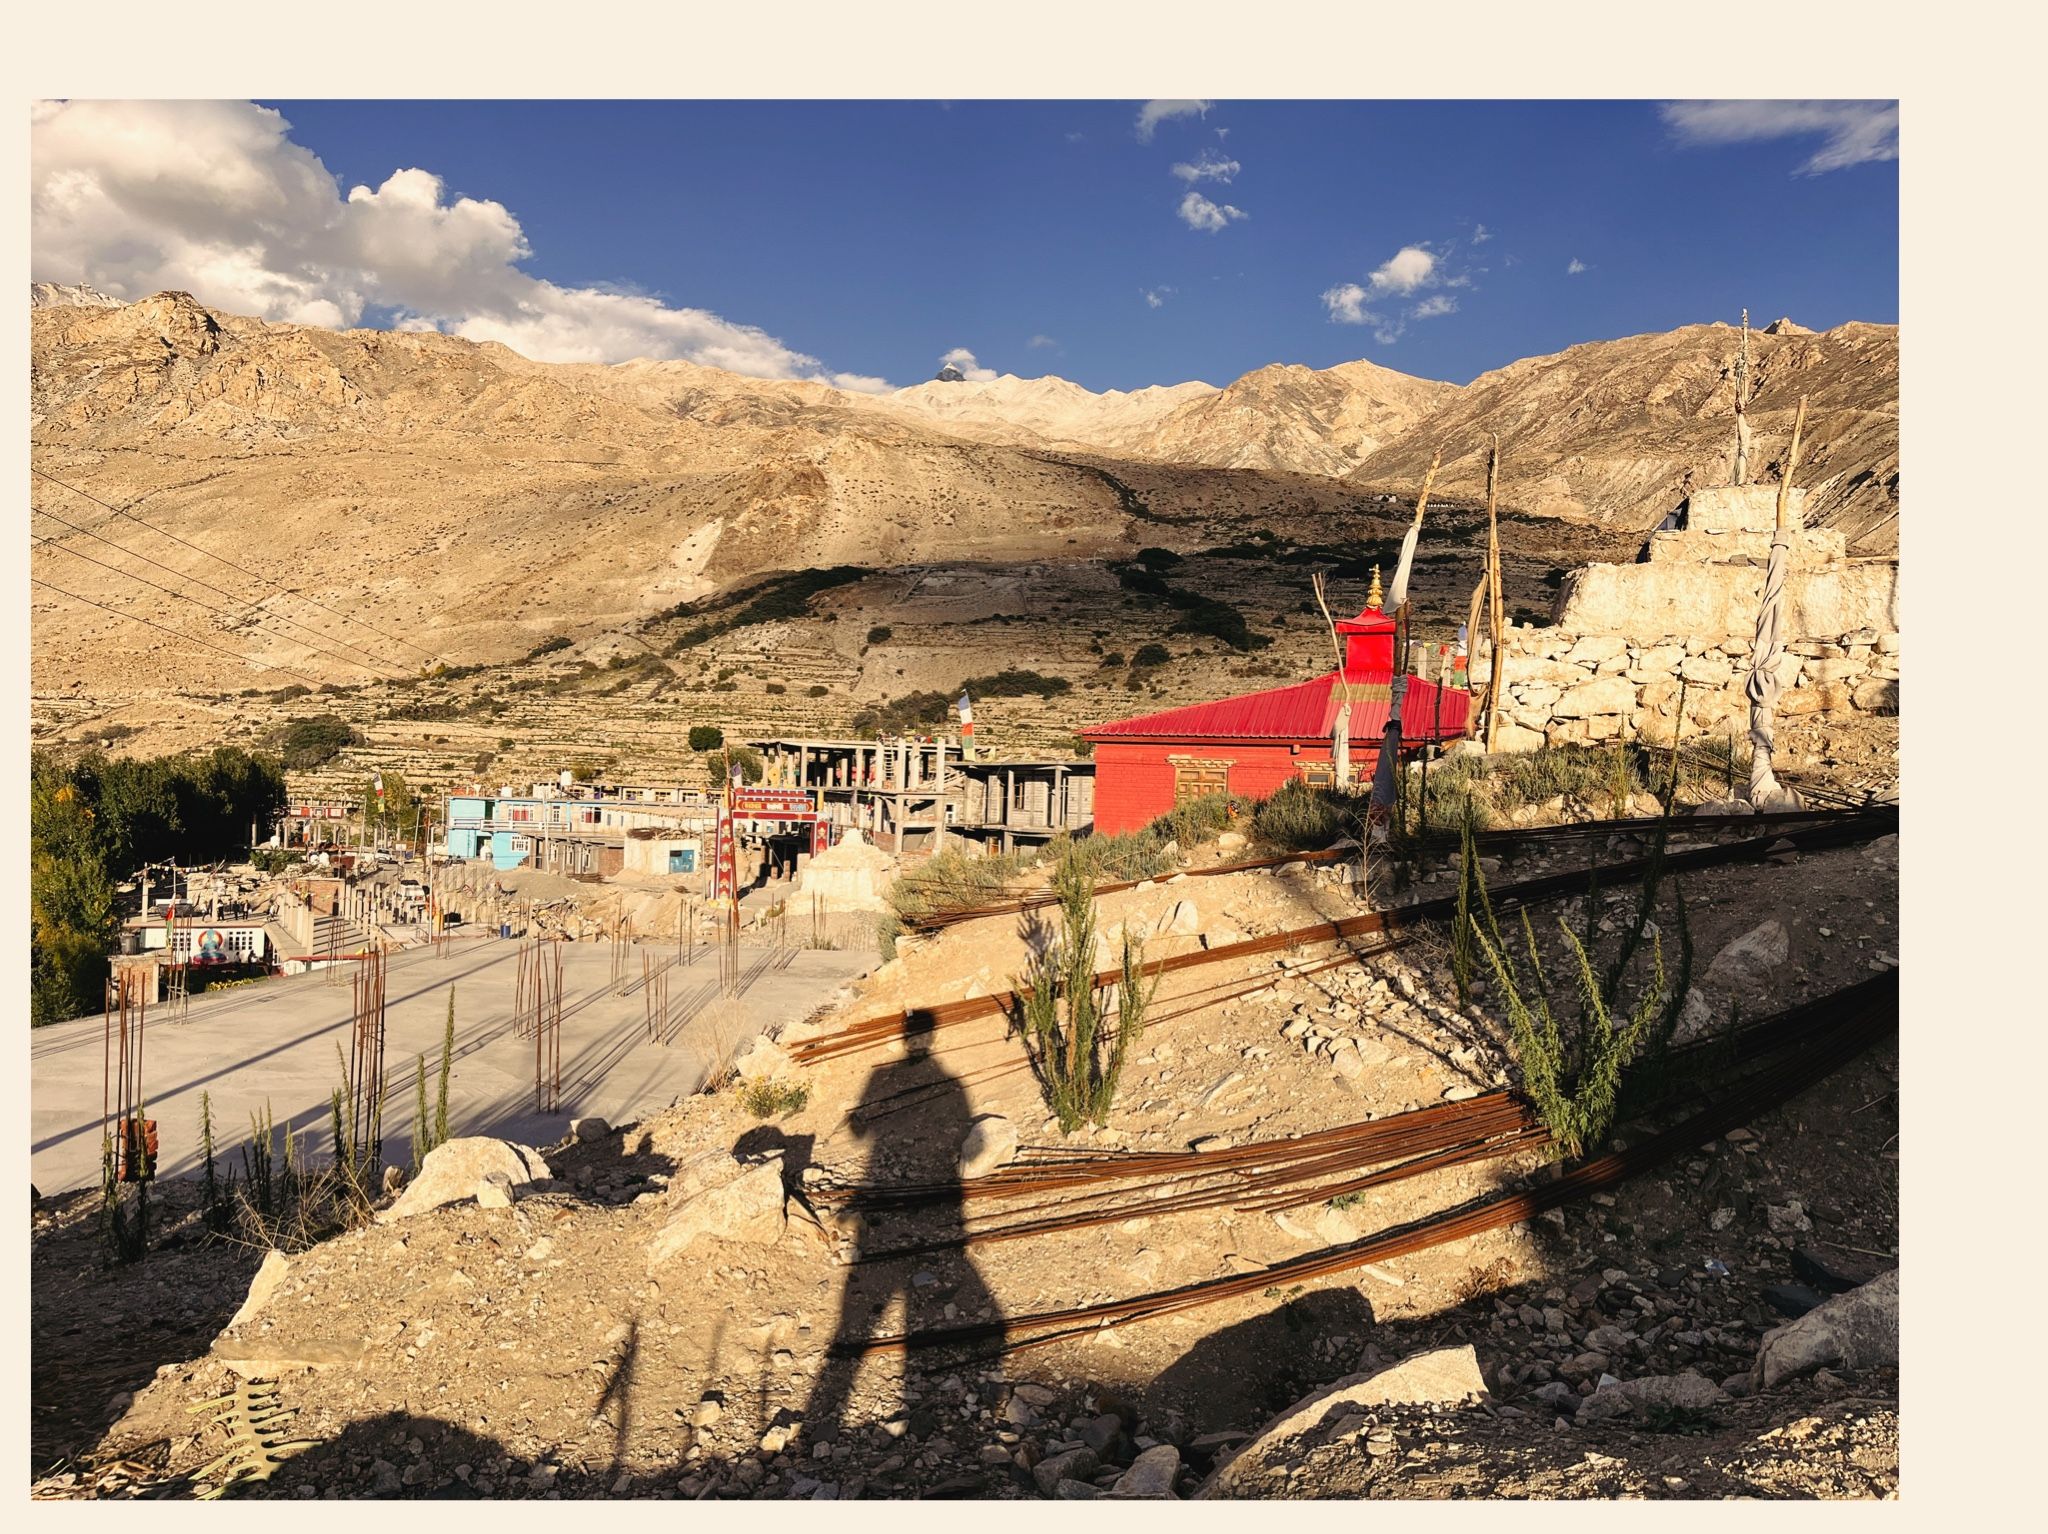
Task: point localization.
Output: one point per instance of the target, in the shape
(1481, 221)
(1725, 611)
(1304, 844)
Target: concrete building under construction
(907, 795)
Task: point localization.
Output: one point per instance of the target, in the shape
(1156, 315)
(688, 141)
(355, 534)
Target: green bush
(880, 634)
(315, 741)
(706, 737)
(1572, 1072)
(816, 690)
(1300, 818)
(549, 646)
(774, 1099)
(1014, 684)
(957, 880)
(1151, 655)
(899, 716)
(1077, 1051)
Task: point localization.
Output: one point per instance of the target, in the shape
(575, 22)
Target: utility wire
(184, 596)
(377, 662)
(253, 575)
(261, 665)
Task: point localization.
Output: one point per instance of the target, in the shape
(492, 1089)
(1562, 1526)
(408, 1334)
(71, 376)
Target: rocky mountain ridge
(502, 501)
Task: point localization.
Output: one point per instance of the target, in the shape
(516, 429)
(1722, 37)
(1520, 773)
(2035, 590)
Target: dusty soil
(532, 1351)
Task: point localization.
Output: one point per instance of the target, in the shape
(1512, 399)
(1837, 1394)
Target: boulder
(1183, 920)
(1747, 966)
(261, 1287)
(1073, 1465)
(1230, 841)
(1151, 1475)
(451, 1172)
(762, 1060)
(990, 1142)
(1857, 1330)
(723, 1199)
(1443, 1377)
(1637, 1398)
(588, 1128)
(494, 1191)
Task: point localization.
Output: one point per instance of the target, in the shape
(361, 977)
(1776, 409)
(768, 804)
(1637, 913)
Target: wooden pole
(1742, 406)
(1791, 463)
(1494, 670)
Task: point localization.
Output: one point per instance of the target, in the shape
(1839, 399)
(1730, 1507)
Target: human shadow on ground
(885, 1295)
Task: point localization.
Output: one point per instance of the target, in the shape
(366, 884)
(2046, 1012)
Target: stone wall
(1625, 637)
(1575, 689)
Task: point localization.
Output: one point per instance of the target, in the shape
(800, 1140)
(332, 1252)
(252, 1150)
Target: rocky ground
(638, 1321)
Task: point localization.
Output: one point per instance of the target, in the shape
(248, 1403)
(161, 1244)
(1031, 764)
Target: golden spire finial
(1375, 596)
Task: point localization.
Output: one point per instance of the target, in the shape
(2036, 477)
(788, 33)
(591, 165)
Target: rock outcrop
(452, 1172)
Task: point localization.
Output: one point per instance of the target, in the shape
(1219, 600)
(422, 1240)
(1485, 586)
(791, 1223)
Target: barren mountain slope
(469, 499)
(1296, 418)
(1040, 412)
(1607, 431)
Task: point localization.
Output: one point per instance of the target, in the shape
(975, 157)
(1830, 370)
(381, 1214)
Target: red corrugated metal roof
(1304, 712)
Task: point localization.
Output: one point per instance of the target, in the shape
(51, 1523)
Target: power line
(181, 595)
(378, 662)
(253, 575)
(261, 665)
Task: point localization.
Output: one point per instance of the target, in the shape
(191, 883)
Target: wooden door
(1198, 782)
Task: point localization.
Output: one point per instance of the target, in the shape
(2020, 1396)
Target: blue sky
(867, 240)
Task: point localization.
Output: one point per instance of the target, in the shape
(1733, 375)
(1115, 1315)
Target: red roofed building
(1253, 743)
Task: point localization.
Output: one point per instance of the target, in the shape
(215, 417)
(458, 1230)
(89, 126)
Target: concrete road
(276, 1042)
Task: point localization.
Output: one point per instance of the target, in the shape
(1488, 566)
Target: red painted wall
(1134, 779)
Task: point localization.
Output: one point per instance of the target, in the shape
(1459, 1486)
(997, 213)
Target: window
(682, 860)
(1319, 774)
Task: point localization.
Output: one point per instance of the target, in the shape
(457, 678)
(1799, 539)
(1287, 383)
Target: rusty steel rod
(867, 1033)
(1860, 1015)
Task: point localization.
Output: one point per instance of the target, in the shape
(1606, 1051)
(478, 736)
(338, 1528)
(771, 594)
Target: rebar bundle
(366, 1058)
(129, 1137)
(1832, 830)
(1801, 1047)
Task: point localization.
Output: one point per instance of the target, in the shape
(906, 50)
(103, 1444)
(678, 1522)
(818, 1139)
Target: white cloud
(1346, 304)
(1153, 113)
(1207, 166)
(214, 198)
(1855, 131)
(1575, 268)
(963, 359)
(1042, 341)
(1197, 212)
(1481, 234)
(1409, 268)
(1155, 297)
